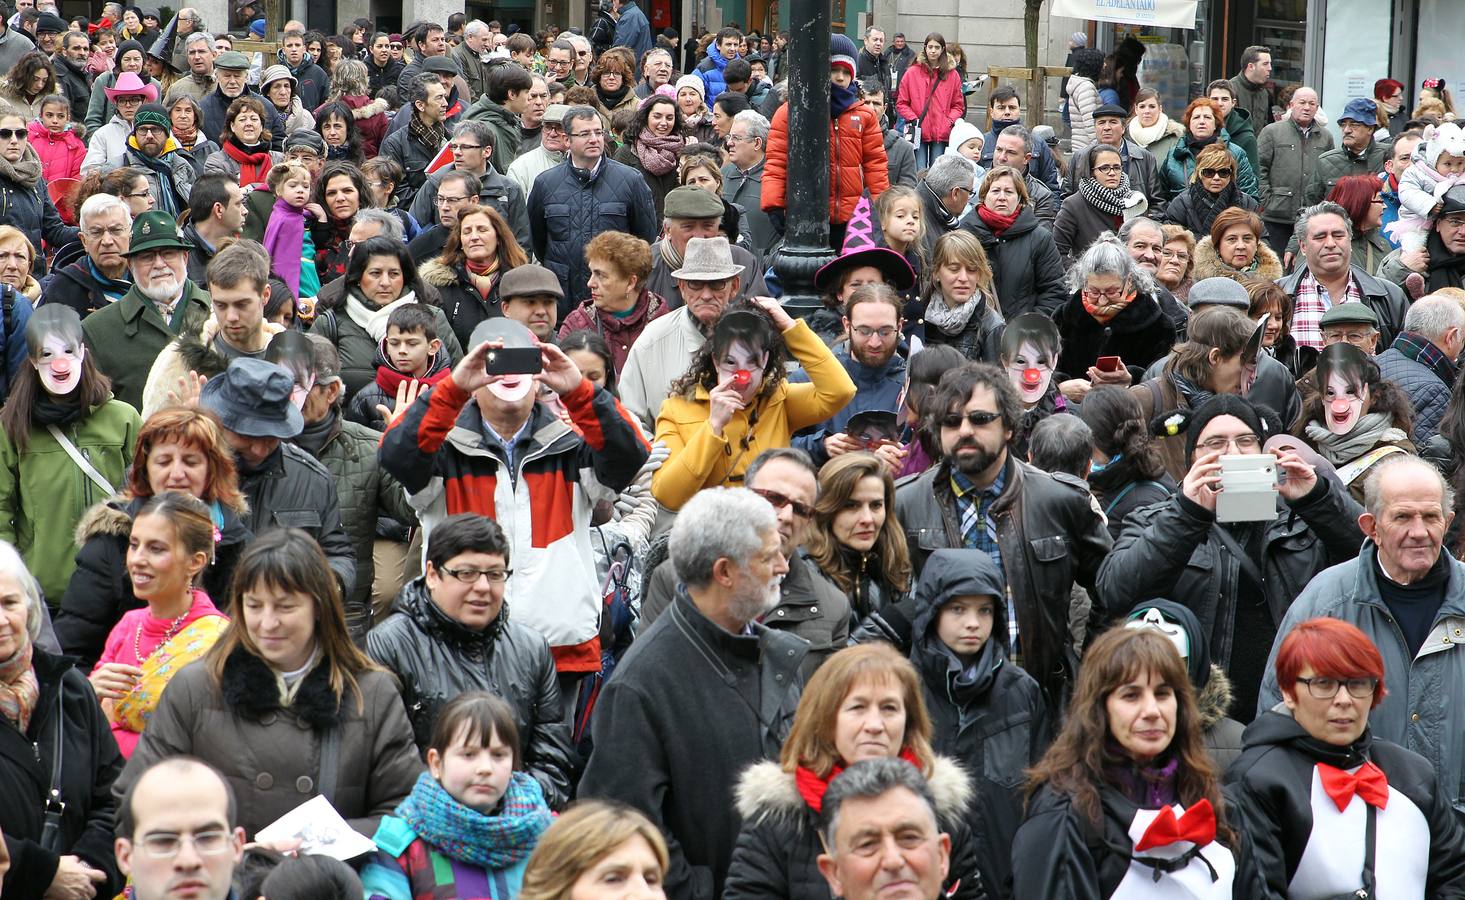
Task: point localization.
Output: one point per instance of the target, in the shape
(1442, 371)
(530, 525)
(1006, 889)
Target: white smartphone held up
(1248, 488)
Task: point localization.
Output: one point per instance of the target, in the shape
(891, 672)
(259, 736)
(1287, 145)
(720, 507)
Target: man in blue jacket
(719, 52)
(581, 197)
(632, 28)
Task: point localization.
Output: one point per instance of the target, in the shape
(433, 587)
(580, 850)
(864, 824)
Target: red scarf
(812, 787)
(388, 378)
(996, 221)
(253, 167)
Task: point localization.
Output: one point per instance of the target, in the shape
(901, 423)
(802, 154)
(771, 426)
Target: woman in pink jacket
(930, 99)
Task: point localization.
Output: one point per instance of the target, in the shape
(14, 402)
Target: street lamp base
(796, 267)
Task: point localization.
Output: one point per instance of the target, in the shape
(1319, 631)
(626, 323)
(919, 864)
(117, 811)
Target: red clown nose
(1032, 377)
(742, 378)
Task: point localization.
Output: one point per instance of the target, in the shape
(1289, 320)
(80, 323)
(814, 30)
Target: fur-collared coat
(1208, 263)
(777, 853)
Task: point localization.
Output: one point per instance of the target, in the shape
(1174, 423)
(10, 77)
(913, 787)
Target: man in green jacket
(505, 101)
(1237, 120)
(1287, 155)
(1359, 155)
(126, 337)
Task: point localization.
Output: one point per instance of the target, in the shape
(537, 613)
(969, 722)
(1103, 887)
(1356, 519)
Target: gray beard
(164, 292)
(748, 608)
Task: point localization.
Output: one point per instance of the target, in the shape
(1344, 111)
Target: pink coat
(947, 106)
(61, 154)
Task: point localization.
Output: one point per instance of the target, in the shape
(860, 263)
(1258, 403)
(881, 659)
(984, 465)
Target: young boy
(986, 712)
(409, 357)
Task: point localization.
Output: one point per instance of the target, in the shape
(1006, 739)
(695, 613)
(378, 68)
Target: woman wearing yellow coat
(735, 400)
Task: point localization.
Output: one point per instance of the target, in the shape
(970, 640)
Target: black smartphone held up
(513, 361)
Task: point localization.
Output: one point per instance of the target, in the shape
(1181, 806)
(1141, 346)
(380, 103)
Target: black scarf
(49, 409)
(1195, 144)
(1446, 269)
(841, 99)
(612, 99)
(313, 438)
(1208, 205)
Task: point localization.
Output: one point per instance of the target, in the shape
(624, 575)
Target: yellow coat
(700, 459)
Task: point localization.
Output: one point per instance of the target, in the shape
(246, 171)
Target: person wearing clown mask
(734, 401)
(60, 414)
(476, 442)
(1030, 346)
(1237, 577)
(1357, 418)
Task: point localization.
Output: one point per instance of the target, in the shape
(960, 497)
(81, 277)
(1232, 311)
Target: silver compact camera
(1248, 488)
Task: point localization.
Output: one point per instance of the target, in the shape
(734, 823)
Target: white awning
(1159, 13)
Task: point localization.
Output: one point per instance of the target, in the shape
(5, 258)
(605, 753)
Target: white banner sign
(1159, 13)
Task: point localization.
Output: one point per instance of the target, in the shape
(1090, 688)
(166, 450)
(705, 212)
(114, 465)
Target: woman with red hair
(1360, 196)
(1331, 811)
(1388, 95)
(1203, 127)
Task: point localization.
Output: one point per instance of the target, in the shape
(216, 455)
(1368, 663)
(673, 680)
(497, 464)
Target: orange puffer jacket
(856, 161)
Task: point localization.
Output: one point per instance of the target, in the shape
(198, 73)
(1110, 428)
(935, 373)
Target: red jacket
(856, 161)
(61, 154)
(947, 106)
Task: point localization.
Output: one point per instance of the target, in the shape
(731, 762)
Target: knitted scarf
(26, 172)
(483, 275)
(254, 162)
(1195, 397)
(1105, 200)
(494, 842)
(996, 222)
(658, 155)
(841, 99)
(284, 238)
(1208, 205)
(812, 788)
(1368, 432)
(951, 319)
(1106, 313)
(1147, 136)
(187, 137)
(671, 256)
(19, 689)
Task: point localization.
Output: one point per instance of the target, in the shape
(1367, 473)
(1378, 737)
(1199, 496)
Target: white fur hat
(1447, 138)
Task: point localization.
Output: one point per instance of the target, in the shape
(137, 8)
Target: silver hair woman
(50, 722)
(1114, 315)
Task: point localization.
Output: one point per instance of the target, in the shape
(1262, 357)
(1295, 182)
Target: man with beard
(71, 72)
(170, 171)
(707, 282)
(1040, 529)
(126, 337)
(705, 691)
(810, 605)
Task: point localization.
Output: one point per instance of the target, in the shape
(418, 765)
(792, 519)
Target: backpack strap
(1109, 507)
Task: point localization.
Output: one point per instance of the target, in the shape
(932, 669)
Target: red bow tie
(1369, 783)
(1197, 825)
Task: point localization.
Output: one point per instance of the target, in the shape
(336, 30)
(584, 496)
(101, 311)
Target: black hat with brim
(896, 271)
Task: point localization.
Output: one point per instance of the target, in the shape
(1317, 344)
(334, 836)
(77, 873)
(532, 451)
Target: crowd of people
(1097, 538)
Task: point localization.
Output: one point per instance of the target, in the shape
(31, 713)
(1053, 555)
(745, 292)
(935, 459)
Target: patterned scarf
(494, 842)
(658, 155)
(1105, 200)
(951, 319)
(812, 788)
(186, 137)
(482, 275)
(430, 136)
(19, 689)
(1423, 351)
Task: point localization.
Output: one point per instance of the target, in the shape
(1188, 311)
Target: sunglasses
(1215, 173)
(779, 501)
(975, 419)
(12, 134)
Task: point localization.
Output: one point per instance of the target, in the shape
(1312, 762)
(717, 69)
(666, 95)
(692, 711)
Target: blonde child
(903, 227)
(287, 236)
(1439, 164)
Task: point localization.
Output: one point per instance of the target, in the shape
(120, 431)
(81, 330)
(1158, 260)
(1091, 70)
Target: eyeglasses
(884, 334)
(1246, 443)
(1377, 201)
(459, 148)
(1174, 254)
(779, 501)
(471, 576)
(1109, 169)
(445, 200)
(597, 133)
(138, 195)
(12, 134)
(1327, 688)
(979, 419)
(694, 286)
(1109, 294)
(116, 232)
(206, 843)
(1215, 173)
(303, 156)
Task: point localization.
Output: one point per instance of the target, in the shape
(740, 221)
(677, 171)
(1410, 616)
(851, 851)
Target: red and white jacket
(439, 452)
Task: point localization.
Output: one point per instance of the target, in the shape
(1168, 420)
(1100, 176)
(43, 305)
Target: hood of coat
(957, 573)
(1277, 728)
(1208, 263)
(364, 107)
(1214, 699)
(766, 792)
(113, 518)
(438, 273)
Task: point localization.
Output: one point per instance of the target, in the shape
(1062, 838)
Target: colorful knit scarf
(658, 155)
(812, 787)
(466, 835)
(19, 689)
(186, 137)
(253, 165)
(483, 275)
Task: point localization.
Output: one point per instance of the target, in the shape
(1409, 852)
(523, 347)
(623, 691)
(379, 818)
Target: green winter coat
(43, 494)
(1243, 133)
(366, 493)
(1337, 163)
(1175, 169)
(1288, 158)
(125, 337)
(506, 133)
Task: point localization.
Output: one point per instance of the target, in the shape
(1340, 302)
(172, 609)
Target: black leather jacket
(435, 659)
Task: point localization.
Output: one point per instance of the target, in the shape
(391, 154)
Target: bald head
(176, 832)
(1303, 107)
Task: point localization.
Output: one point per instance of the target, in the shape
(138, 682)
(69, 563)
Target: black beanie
(1225, 405)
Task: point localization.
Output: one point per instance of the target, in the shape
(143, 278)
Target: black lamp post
(806, 240)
